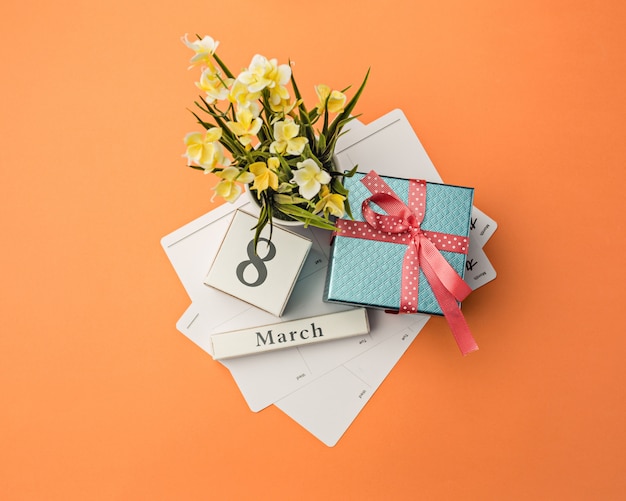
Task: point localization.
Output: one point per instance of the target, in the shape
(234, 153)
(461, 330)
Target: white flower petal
(310, 189)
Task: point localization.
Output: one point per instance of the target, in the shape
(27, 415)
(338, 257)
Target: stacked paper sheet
(321, 386)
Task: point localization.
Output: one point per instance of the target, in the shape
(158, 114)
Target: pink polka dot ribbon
(402, 225)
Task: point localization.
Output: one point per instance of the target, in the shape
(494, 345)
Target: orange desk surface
(102, 398)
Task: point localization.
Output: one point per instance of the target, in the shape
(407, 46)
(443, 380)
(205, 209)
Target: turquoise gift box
(369, 272)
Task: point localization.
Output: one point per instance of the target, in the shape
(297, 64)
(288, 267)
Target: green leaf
(283, 188)
(321, 142)
(351, 172)
(325, 127)
(204, 124)
(332, 141)
(296, 90)
(202, 106)
(261, 223)
(308, 218)
(346, 206)
(313, 115)
(334, 128)
(338, 187)
(223, 66)
(291, 199)
(308, 153)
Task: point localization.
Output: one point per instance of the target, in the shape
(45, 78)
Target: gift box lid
(369, 273)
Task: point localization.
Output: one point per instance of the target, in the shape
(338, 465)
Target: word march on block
(304, 331)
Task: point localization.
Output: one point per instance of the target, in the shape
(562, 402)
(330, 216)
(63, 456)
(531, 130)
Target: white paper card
(478, 269)
(482, 227)
(387, 145)
(327, 407)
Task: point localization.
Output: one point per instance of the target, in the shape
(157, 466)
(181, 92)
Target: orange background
(103, 399)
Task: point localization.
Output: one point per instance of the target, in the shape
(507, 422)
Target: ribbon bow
(402, 224)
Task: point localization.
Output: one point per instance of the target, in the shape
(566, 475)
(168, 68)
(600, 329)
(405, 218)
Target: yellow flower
(285, 133)
(240, 94)
(248, 124)
(264, 73)
(278, 95)
(310, 178)
(334, 101)
(228, 188)
(265, 174)
(203, 49)
(213, 85)
(330, 203)
(205, 150)
(283, 106)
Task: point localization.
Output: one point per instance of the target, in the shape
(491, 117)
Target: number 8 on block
(264, 278)
(257, 262)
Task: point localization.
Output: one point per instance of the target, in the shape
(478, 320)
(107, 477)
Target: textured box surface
(369, 273)
(264, 279)
(304, 331)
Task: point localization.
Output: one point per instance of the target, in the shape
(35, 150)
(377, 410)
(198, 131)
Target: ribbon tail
(446, 274)
(447, 301)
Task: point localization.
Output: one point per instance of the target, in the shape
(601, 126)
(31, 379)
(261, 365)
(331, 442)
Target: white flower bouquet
(259, 132)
